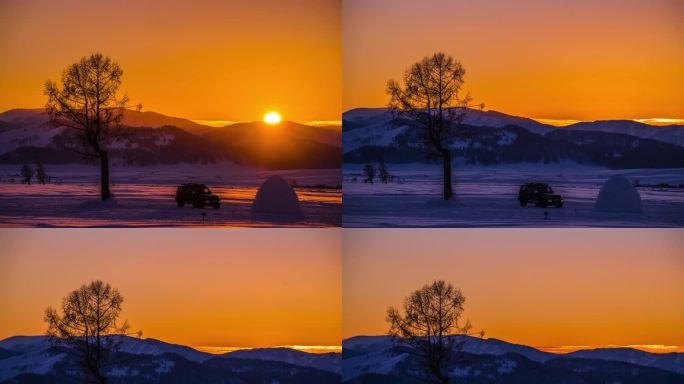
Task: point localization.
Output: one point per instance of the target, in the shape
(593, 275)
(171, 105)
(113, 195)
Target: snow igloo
(276, 200)
(618, 195)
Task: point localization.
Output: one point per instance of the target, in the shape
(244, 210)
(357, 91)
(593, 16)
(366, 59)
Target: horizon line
(320, 349)
(650, 348)
(218, 123)
(565, 349)
(225, 123)
(657, 121)
(315, 349)
(217, 350)
(215, 123)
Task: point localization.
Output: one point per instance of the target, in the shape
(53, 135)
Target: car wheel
(181, 203)
(523, 202)
(559, 205)
(542, 204)
(217, 206)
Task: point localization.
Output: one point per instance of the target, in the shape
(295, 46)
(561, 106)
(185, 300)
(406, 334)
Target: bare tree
(26, 174)
(87, 103)
(41, 176)
(430, 324)
(430, 98)
(383, 174)
(88, 324)
(369, 173)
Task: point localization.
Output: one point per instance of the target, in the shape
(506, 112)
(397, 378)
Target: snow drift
(618, 195)
(276, 200)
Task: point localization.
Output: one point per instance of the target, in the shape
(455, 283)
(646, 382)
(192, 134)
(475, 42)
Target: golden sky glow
(555, 289)
(545, 59)
(206, 288)
(206, 59)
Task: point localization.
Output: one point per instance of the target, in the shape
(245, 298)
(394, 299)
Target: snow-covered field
(144, 197)
(487, 197)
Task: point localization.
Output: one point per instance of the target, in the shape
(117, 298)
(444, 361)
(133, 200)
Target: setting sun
(272, 118)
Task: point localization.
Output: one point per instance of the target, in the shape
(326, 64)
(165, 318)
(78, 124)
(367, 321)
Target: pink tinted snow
(144, 196)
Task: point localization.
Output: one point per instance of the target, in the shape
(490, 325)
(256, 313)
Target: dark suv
(540, 194)
(196, 194)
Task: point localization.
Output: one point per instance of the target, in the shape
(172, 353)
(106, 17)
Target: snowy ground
(144, 197)
(487, 197)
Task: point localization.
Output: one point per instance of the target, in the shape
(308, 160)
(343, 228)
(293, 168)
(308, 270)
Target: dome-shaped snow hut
(276, 200)
(618, 195)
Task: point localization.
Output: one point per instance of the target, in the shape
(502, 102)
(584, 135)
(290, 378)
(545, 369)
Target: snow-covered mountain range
(150, 138)
(29, 359)
(491, 137)
(376, 359)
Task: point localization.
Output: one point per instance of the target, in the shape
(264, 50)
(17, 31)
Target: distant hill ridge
(491, 138)
(371, 359)
(132, 118)
(673, 134)
(23, 358)
(153, 138)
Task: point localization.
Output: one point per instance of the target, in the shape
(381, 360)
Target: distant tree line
(27, 173)
(370, 172)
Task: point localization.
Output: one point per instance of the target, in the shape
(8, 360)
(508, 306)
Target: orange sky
(204, 59)
(548, 59)
(539, 287)
(197, 287)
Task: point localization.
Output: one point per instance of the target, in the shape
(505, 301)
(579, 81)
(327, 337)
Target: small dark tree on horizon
(430, 324)
(429, 97)
(88, 324)
(383, 173)
(41, 176)
(88, 104)
(26, 174)
(369, 173)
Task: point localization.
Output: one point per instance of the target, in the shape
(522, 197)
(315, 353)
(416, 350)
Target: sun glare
(272, 118)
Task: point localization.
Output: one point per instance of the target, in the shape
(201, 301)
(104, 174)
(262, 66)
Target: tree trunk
(446, 158)
(99, 377)
(104, 175)
(438, 376)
